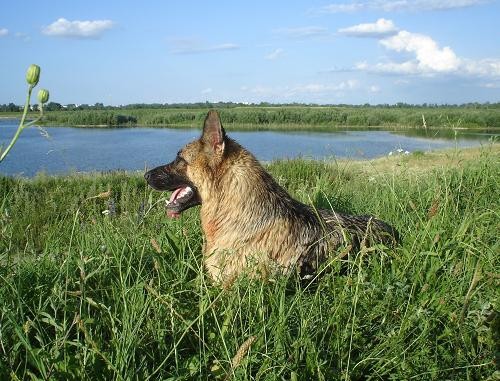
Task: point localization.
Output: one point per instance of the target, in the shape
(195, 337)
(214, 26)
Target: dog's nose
(147, 175)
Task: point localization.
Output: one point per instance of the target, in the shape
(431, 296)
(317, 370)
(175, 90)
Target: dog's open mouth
(181, 199)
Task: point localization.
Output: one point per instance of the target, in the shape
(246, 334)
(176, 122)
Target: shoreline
(418, 161)
(286, 127)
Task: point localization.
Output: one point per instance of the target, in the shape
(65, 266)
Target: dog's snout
(147, 175)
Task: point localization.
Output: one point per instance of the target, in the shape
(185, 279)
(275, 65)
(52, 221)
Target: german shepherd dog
(251, 223)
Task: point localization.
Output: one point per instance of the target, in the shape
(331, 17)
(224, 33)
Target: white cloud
(195, 46)
(429, 56)
(78, 29)
(429, 59)
(323, 88)
(491, 85)
(400, 5)
(22, 36)
(374, 89)
(316, 89)
(483, 68)
(4, 32)
(261, 90)
(208, 90)
(380, 28)
(406, 68)
(401, 81)
(303, 32)
(342, 8)
(277, 53)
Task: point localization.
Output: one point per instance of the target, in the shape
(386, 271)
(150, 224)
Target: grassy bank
(96, 282)
(288, 117)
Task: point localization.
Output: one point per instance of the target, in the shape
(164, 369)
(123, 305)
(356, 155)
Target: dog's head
(191, 174)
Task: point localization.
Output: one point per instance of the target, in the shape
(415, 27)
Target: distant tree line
(54, 106)
(11, 107)
(267, 116)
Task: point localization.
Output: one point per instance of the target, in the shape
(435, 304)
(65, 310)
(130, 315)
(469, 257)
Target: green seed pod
(43, 95)
(33, 75)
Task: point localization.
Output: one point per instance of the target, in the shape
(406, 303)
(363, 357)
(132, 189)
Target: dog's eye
(180, 159)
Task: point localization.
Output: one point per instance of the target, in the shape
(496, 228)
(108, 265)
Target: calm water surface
(69, 149)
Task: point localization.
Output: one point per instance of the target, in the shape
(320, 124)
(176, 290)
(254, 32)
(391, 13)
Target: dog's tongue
(173, 196)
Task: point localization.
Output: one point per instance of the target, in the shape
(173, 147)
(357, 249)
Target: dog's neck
(253, 195)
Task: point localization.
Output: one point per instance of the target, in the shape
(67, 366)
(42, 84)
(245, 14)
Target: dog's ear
(213, 133)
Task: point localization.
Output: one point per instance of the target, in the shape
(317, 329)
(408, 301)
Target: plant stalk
(22, 126)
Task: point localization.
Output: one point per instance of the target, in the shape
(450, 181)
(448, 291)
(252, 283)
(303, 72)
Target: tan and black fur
(249, 221)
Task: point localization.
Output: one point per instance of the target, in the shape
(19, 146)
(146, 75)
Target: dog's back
(255, 221)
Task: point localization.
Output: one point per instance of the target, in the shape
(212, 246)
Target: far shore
(280, 117)
(269, 127)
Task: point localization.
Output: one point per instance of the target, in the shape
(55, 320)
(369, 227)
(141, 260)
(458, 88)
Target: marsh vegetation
(96, 282)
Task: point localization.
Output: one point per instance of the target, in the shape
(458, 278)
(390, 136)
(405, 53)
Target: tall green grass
(123, 295)
(288, 118)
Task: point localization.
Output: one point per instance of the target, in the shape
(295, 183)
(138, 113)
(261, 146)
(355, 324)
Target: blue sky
(365, 51)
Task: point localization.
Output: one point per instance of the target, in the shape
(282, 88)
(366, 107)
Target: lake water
(67, 149)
